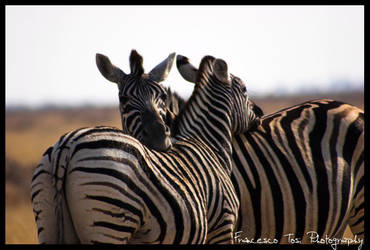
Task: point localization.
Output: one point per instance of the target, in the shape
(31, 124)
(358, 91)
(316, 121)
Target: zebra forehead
(141, 85)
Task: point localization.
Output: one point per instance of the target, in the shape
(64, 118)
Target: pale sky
(50, 50)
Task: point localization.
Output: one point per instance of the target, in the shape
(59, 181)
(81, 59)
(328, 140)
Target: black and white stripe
(142, 101)
(302, 170)
(99, 185)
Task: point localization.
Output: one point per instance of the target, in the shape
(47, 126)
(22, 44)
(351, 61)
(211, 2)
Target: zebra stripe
(297, 165)
(300, 171)
(99, 185)
(142, 100)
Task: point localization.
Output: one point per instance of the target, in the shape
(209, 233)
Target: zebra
(300, 174)
(340, 114)
(100, 185)
(147, 120)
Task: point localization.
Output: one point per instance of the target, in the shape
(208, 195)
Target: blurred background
(285, 54)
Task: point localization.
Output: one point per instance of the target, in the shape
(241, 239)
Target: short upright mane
(205, 65)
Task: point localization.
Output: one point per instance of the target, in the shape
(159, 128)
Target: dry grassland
(29, 133)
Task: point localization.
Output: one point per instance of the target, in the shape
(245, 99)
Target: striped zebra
(100, 185)
(300, 174)
(144, 120)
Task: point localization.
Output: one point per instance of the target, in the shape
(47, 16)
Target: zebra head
(245, 113)
(142, 100)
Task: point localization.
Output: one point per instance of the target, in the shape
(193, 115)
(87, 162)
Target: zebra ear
(186, 69)
(220, 71)
(136, 63)
(160, 72)
(107, 69)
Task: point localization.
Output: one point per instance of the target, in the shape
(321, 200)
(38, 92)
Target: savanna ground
(29, 133)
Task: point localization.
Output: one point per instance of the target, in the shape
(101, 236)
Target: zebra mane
(205, 64)
(204, 67)
(136, 63)
(174, 99)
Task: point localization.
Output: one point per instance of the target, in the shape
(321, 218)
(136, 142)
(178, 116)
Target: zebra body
(118, 191)
(99, 185)
(300, 173)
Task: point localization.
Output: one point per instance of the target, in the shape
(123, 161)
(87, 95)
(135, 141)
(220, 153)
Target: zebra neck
(209, 122)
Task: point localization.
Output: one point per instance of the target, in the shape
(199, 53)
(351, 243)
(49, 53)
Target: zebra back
(301, 171)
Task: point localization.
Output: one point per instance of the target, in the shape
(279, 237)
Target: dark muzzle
(155, 133)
